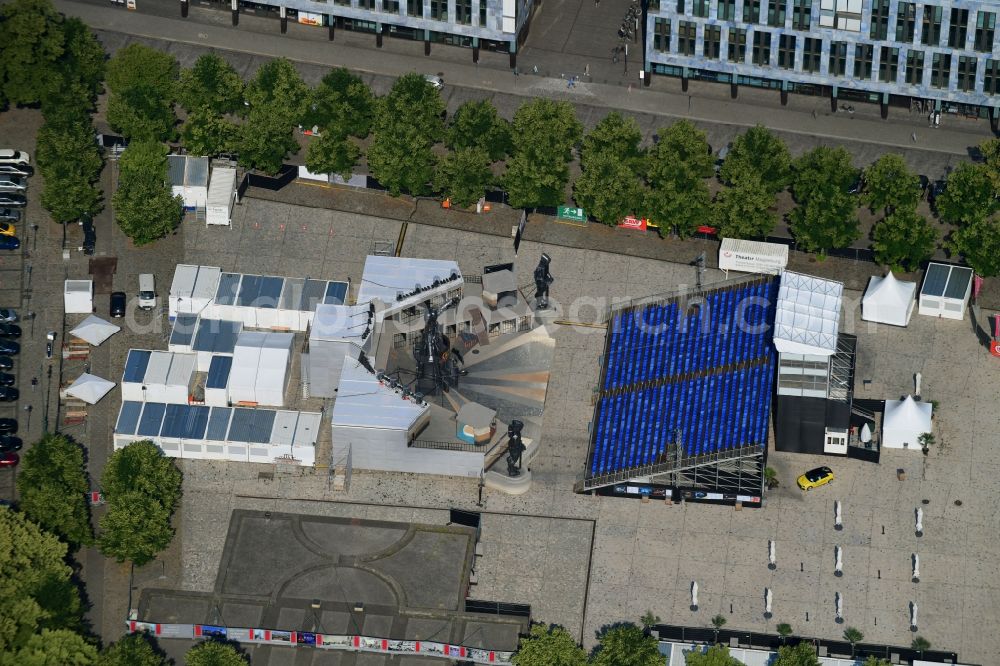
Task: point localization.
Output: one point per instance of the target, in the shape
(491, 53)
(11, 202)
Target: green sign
(570, 213)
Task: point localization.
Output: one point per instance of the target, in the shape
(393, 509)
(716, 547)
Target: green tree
(615, 136)
(771, 481)
(215, 653)
(969, 195)
(876, 661)
(143, 468)
(402, 160)
(903, 239)
(979, 244)
(758, 151)
(716, 655)
(332, 153)
(921, 645)
(71, 162)
(889, 184)
(52, 484)
(141, 65)
(135, 528)
(53, 647)
(132, 650)
(784, 629)
(412, 101)
(36, 587)
(139, 113)
(144, 206)
(264, 140)
(990, 150)
(827, 220)
(853, 636)
(649, 619)
(744, 210)
(718, 622)
(544, 133)
(679, 208)
(279, 90)
(682, 155)
(80, 70)
(463, 175)
(212, 85)
(343, 104)
(31, 32)
(608, 189)
(206, 133)
(821, 169)
(803, 654)
(549, 646)
(476, 124)
(626, 645)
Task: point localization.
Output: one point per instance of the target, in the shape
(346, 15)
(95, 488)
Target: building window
(654, 5)
(986, 23)
(727, 10)
(906, 18)
(991, 78)
(888, 65)
(812, 51)
(863, 55)
(751, 11)
(700, 8)
(761, 48)
(786, 51)
(661, 34)
(463, 11)
(959, 28)
(713, 41)
(931, 33)
(680, 6)
(915, 67)
(439, 10)
(940, 70)
(482, 13)
(776, 13)
(838, 59)
(367, 4)
(967, 73)
(880, 19)
(737, 45)
(342, 3)
(801, 14)
(687, 35)
(390, 6)
(415, 7)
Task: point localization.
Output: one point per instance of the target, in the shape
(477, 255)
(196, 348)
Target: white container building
(221, 193)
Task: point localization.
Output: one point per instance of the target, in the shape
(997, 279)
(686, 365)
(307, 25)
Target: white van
(11, 156)
(147, 291)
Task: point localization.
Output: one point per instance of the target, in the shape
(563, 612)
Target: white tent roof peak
(95, 330)
(888, 300)
(904, 421)
(90, 388)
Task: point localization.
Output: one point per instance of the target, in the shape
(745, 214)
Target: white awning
(90, 388)
(95, 330)
(808, 315)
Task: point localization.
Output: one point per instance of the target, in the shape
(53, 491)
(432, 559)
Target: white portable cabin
(246, 359)
(221, 192)
(272, 370)
(192, 289)
(189, 179)
(78, 296)
(338, 332)
(946, 291)
(752, 256)
(157, 376)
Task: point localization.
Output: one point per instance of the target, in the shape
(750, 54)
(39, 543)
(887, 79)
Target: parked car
(89, 235)
(7, 379)
(12, 183)
(815, 478)
(8, 394)
(11, 156)
(17, 169)
(6, 363)
(7, 315)
(7, 229)
(10, 443)
(118, 300)
(10, 215)
(10, 331)
(9, 347)
(9, 243)
(9, 459)
(8, 426)
(12, 200)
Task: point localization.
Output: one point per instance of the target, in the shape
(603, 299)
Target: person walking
(914, 137)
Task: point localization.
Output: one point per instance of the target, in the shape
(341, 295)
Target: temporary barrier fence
(350, 643)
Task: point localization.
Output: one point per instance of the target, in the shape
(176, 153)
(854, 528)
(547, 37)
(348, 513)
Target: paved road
(809, 117)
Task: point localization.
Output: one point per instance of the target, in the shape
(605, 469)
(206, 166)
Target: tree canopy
(207, 133)
(608, 189)
(52, 484)
(463, 175)
(143, 468)
(278, 89)
(903, 239)
(549, 646)
(889, 184)
(341, 104)
(145, 208)
(80, 71)
(132, 650)
(626, 645)
(52, 647)
(717, 655)
(71, 162)
(143, 85)
(264, 140)
(979, 244)
(826, 220)
(476, 124)
(758, 151)
(31, 32)
(969, 195)
(744, 211)
(803, 654)
(332, 153)
(412, 101)
(544, 133)
(215, 653)
(821, 169)
(681, 155)
(211, 84)
(615, 136)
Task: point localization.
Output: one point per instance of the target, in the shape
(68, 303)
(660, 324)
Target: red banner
(632, 222)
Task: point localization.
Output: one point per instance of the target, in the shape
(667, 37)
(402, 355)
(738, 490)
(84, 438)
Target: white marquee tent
(904, 421)
(808, 315)
(90, 388)
(888, 300)
(94, 330)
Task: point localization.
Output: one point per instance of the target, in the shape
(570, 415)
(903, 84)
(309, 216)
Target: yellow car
(6, 229)
(815, 478)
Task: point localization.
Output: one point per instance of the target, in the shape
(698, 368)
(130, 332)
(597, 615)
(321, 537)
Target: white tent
(807, 319)
(904, 421)
(90, 388)
(888, 300)
(95, 330)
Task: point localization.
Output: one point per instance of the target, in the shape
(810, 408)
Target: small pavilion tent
(90, 388)
(904, 421)
(94, 330)
(888, 300)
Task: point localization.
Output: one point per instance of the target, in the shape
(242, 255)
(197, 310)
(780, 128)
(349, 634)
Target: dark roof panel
(958, 282)
(135, 366)
(217, 336)
(218, 424)
(128, 417)
(218, 372)
(935, 280)
(312, 295)
(226, 293)
(185, 421)
(152, 418)
(335, 293)
(184, 328)
(251, 425)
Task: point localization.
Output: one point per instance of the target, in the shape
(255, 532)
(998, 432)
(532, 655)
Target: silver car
(17, 169)
(10, 215)
(9, 183)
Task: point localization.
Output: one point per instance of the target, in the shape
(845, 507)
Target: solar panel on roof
(152, 418)
(935, 280)
(218, 372)
(184, 421)
(135, 366)
(335, 293)
(218, 424)
(291, 295)
(217, 336)
(128, 417)
(958, 282)
(183, 330)
(229, 283)
(251, 425)
(249, 290)
(270, 291)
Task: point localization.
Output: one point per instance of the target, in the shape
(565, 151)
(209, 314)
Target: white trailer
(221, 191)
(78, 296)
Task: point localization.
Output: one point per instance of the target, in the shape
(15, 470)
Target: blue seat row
(711, 413)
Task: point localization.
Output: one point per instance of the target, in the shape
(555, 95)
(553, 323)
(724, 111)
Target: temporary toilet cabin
(946, 291)
(189, 179)
(221, 193)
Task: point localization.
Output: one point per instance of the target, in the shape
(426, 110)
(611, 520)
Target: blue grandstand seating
(703, 375)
